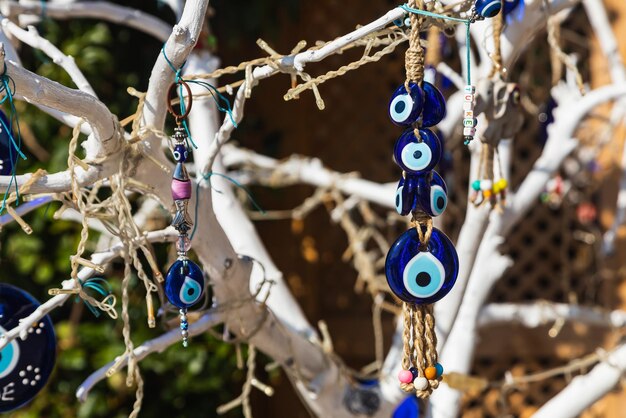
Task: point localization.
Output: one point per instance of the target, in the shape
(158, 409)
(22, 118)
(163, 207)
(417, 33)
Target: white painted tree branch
(583, 391)
(156, 345)
(32, 38)
(100, 10)
(303, 170)
(540, 313)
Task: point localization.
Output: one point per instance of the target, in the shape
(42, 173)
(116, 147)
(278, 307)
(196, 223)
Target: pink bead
(181, 189)
(405, 376)
(183, 244)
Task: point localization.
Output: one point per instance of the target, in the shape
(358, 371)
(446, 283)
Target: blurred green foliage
(180, 382)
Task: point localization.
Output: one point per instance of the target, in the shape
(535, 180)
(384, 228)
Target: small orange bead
(430, 373)
(487, 193)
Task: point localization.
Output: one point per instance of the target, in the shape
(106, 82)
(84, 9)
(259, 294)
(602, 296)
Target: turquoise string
(101, 286)
(217, 96)
(7, 86)
(467, 22)
(207, 177)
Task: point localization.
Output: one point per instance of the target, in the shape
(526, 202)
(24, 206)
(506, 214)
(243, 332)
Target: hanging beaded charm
(184, 282)
(422, 265)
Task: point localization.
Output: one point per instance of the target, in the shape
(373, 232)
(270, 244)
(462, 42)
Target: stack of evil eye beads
(420, 273)
(469, 120)
(184, 283)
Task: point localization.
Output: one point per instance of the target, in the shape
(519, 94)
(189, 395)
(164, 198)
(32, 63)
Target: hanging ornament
(422, 265)
(8, 155)
(26, 362)
(184, 282)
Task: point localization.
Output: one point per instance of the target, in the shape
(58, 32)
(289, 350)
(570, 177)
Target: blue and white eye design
(190, 292)
(415, 156)
(488, 8)
(9, 356)
(405, 108)
(180, 153)
(432, 193)
(184, 283)
(399, 201)
(421, 274)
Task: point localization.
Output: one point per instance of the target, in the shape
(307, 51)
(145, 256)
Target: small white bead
(468, 105)
(420, 383)
(468, 98)
(468, 114)
(469, 131)
(486, 184)
(468, 123)
(469, 89)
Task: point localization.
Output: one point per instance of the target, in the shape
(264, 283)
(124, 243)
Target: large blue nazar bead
(421, 275)
(415, 156)
(27, 362)
(488, 8)
(184, 283)
(406, 195)
(405, 108)
(432, 193)
(180, 153)
(434, 105)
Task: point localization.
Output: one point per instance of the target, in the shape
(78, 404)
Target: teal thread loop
(99, 285)
(467, 22)
(207, 177)
(7, 86)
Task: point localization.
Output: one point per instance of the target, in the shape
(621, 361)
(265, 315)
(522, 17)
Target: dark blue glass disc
(406, 194)
(421, 276)
(408, 408)
(8, 154)
(414, 156)
(25, 364)
(405, 108)
(434, 105)
(432, 193)
(184, 283)
(488, 8)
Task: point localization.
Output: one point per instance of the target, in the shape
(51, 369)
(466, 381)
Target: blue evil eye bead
(184, 283)
(510, 5)
(8, 154)
(421, 275)
(180, 153)
(488, 8)
(406, 195)
(432, 193)
(415, 156)
(26, 362)
(405, 108)
(434, 105)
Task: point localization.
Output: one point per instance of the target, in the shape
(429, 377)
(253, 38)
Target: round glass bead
(183, 244)
(421, 275)
(415, 156)
(488, 8)
(439, 369)
(27, 362)
(432, 193)
(406, 194)
(405, 108)
(434, 105)
(180, 153)
(184, 283)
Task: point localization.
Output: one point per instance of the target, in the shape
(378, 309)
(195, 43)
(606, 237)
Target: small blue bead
(413, 371)
(184, 326)
(180, 153)
(439, 369)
